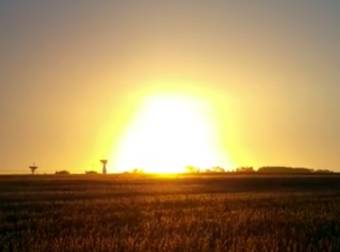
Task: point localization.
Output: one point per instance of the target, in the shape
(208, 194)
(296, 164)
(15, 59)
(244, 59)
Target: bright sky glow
(155, 83)
(167, 134)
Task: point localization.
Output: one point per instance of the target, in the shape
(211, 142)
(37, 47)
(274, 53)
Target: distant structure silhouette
(33, 167)
(104, 162)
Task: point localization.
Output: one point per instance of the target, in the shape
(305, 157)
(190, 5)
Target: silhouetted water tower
(33, 167)
(104, 162)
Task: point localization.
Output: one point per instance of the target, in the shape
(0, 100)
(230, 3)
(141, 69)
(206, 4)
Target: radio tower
(33, 167)
(104, 162)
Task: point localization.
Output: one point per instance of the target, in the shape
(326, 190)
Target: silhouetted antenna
(33, 167)
(104, 162)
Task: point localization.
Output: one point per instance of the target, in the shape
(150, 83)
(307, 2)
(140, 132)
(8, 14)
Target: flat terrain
(187, 213)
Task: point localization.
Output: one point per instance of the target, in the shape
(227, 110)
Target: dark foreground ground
(120, 213)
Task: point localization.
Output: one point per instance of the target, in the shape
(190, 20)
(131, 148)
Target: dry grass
(82, 213)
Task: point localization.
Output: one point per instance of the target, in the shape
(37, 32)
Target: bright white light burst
(167, 134)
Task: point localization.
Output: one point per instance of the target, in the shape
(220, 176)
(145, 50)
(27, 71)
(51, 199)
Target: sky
(73, 74)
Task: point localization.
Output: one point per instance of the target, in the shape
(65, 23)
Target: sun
(168, 133)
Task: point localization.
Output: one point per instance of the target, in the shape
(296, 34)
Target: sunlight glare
(168, 133)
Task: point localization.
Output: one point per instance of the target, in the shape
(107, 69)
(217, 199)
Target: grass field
(187, 213)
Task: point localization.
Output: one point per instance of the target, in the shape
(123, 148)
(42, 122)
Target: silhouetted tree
(323, 171)
(283, 169)
(91, 172)
(246, 169)
(217, 169)
(137, 170)
(192, 169)
(63, 172)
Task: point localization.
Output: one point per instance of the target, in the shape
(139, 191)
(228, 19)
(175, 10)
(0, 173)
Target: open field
(187, 213)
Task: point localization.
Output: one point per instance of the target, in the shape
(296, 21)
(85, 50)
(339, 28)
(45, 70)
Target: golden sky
(75, 75)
